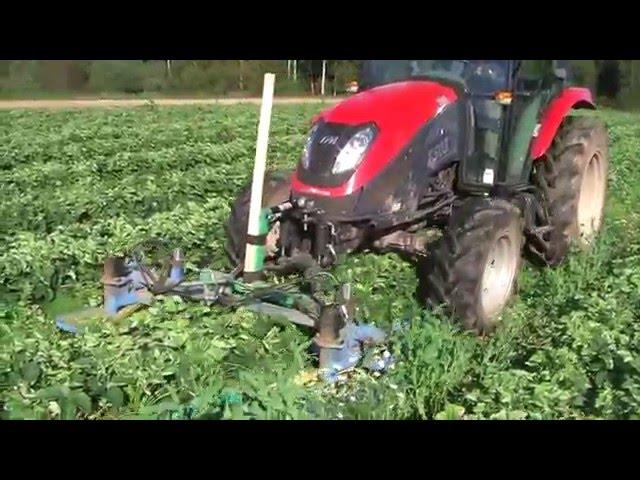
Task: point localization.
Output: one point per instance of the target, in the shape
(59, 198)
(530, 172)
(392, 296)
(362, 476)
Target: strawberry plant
(79, 185)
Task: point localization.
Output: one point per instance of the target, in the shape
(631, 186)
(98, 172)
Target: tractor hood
(386, 118)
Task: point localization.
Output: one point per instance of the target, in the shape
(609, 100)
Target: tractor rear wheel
(276, 190)
(573, 179)
(473, 270)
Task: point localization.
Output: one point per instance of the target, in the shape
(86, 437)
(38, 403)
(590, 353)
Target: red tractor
(462, 165)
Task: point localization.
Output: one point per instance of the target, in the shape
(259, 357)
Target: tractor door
(505, 125)
(483, 78)
(536, 83)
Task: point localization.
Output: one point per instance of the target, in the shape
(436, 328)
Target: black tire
(561, 178)
(276, 190)
(456, 266)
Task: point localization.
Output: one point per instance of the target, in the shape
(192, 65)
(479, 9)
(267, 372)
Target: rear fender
(569, 99)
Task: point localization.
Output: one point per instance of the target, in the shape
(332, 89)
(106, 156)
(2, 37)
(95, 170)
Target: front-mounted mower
(460, 165)
(316, 300)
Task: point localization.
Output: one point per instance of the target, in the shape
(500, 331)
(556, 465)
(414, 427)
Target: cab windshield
(480, 76)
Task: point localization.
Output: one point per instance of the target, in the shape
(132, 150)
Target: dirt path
(97, 103)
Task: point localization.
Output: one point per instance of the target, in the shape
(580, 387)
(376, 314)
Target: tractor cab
(479, 76)
(501, 102)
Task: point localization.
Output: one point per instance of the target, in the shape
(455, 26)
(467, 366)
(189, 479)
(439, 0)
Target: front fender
(570, 98)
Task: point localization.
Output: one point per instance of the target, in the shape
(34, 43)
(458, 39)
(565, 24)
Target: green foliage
(128, 76)
(585, 72)
(22, 75)
(210, 77)
(220, 77)
(78, 185)
(41, 78)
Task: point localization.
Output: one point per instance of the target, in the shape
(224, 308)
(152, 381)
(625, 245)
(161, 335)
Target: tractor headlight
(307, 147)
(353, 152)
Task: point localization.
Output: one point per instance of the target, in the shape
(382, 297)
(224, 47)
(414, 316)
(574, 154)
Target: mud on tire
(454, 274)
(277, 187)
(573, 179)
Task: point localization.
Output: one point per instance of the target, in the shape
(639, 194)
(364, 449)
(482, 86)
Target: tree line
(217, 77)
(614, 81)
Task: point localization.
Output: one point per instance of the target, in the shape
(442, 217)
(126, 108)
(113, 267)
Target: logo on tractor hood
(329, 140)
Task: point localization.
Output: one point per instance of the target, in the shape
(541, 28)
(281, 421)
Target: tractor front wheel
(276, 190)
(474, 268)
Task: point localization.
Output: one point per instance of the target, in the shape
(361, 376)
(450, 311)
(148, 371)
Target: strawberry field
(77, 186)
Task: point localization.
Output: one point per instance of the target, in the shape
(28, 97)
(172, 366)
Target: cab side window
(486, 77)
(535, 74)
